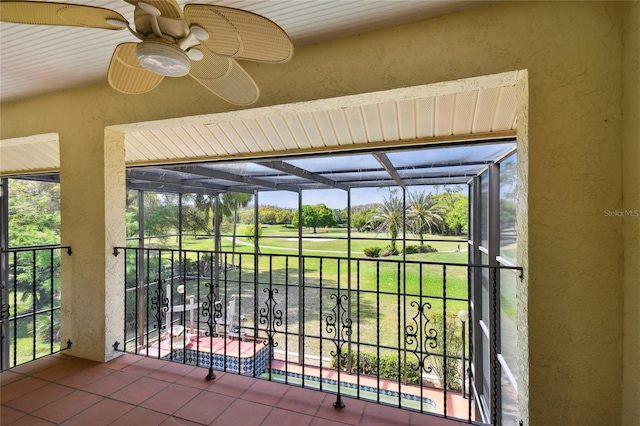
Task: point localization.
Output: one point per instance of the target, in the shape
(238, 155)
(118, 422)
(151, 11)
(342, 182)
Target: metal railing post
(140, 264)
(4, 274)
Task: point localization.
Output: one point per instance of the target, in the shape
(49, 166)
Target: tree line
(441, 213)
(34, 213)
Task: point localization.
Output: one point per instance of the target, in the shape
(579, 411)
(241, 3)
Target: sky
(332, 198)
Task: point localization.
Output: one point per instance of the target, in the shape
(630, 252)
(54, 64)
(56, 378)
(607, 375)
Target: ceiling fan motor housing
(174, 28)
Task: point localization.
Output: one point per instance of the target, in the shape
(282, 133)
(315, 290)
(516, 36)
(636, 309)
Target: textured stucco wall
(93, 222)
(631, 222)
(574, 253)
(522, 255)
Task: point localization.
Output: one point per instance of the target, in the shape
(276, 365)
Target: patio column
(92, 204)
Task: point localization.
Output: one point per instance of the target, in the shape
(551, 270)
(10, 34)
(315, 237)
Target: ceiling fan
(203, 41)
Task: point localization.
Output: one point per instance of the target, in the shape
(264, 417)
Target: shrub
(422, 248)
(451, 368)
(411, 249)
(389, 251)
(387, 365)
(372, 251)
(344, 360)
(389, 369)
(426, 248)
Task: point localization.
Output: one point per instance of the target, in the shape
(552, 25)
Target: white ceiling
(477, 114)
(41, 59)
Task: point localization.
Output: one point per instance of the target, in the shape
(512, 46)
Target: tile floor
(134, 390)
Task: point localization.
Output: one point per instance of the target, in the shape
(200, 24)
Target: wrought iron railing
(376, 329)
(30, 299)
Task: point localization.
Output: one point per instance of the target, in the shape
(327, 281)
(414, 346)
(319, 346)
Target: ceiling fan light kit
(162, 58)
(204, 41)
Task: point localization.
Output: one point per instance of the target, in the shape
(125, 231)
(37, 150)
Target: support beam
(155, 187)
(302, 173)
(386, 164)
(453, 180)
(161, 178)
(219, 174)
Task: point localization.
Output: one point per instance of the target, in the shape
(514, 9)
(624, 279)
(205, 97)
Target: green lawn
(23, 349)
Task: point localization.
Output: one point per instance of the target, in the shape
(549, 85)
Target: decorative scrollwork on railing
(418, 336)
(270, 316)
(212, 309)
(4, 313)
(160, 303)
(340, 325)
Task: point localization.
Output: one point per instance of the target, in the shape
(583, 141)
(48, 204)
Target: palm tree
(423, 214)
(389, 217)
(231, 202)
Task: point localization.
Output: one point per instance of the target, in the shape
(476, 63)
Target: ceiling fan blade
(43, 13)
(167, 8)
(126, 75)
(225, 78)
(241, 34)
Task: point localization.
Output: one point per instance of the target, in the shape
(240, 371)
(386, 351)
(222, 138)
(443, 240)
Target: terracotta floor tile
(9, 376)
(84, 377)
(196, 378)
(145, 366)
(351, 413)
(39, 398)
(319, 421)
(173, 394)
(20, 387)
(381, 415)
(67, 406)
(111, 383)
(66, 357)
(140, 417)
(280, 417)
(152, 363)
(30, 421)
(171, 398)
(37, 365)
(172, 421)
(243, 413)
(172, 372)
(8, 415)
(204, 408)
(100, 414)
(303, 401)
(231, 385)
(265, 392)
(59, 371)
(122, 361)
(139, 391)
(428, 420)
